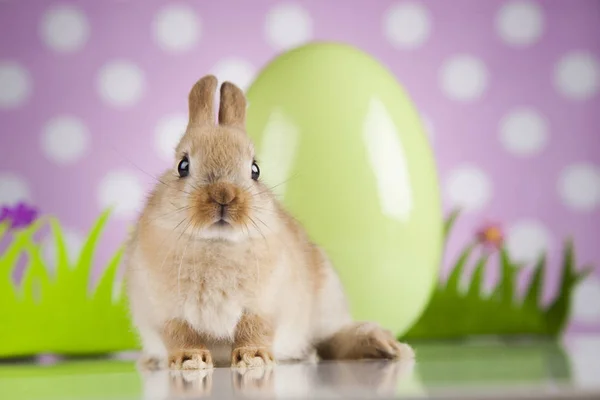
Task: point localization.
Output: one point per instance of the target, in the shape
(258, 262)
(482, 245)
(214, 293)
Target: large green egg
(342, 145)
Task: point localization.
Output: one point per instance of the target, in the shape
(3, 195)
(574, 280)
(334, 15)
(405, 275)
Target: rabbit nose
(222, 194)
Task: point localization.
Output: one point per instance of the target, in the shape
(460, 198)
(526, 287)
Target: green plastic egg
(342, 145)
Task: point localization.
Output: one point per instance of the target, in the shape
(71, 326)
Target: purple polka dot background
(93, 100)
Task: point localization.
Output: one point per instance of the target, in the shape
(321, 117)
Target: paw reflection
(253, 382)
(299, 380)
(190, 384)
(165, 384)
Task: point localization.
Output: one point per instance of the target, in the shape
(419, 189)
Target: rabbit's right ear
(201, 101)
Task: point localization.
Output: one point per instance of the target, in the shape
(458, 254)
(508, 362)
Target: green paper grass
(455, 312)
(55, 312)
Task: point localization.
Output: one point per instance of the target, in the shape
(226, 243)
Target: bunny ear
(201, 101)
(232, 110)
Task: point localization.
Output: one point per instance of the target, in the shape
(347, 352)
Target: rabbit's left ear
(201, 101)
(232, 110)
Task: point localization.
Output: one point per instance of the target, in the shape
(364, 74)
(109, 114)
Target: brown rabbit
(217, 270)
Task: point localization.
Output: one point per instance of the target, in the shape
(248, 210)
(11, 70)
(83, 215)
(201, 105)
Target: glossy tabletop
(453, 370)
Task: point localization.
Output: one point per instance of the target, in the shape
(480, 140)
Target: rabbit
(218, 273)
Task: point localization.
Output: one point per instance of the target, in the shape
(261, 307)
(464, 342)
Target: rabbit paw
(251, 357)
(378, 343)
(191, 359)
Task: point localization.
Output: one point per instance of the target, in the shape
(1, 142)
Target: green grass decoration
(456, 313)
(54, 312)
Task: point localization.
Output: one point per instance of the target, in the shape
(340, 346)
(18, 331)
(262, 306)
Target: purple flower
(4, 214)
(19, 216)
(491, 236)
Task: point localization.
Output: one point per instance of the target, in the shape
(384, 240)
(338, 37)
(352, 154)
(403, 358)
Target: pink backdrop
(93, 97)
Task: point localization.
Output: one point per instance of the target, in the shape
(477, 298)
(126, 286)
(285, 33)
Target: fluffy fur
(218, 272)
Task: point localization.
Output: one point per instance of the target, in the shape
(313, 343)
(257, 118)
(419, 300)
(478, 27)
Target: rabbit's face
(213, 190)
(218, 181)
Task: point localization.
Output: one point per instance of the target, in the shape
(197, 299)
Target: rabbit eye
(184, 167)
(255, 171)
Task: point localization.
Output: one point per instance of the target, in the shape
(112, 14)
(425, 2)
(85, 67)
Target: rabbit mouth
(222, 223)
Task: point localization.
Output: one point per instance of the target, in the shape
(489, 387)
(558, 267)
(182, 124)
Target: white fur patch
(216, 316)
(152, 343)
(291, 341)
(224, 233)
(292, 337)
(333, 313)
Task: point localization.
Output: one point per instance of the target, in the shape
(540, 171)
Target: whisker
(261, 221)
(258, 229)
(195, 229)
(195, 186)
(179, 224)
(147, 173)
(263, 209)
(277, 237)
(181, 262)
(185, 208)
(269, 189)
(174, 188)
(172, 245)
(247, 229)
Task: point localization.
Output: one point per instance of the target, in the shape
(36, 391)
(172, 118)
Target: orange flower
(491, 235)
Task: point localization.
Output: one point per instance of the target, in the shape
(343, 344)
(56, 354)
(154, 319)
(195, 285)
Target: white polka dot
(526, 241)
(122, 190)
(586, 301)
(577, 75)
(65, 140)
(13, 189)
(235, 70)
(177, 28)
(520, 23)
(15, 85)
(407, 25)
(524, 132)
(121, 83)
(469, 188)
(168, 133)
(464, 78)
(584, 358)
(579, 186)
(288, 25)
(73, 241)
(64, 29)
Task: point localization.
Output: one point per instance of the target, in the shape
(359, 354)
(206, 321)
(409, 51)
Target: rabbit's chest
(213, 305)
(217, 286)
(216, 315)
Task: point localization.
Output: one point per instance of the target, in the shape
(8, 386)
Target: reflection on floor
(516, 370)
